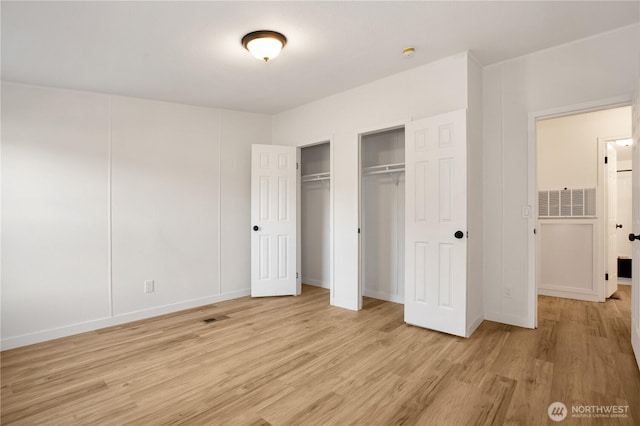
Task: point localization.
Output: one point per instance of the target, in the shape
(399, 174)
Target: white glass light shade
(264, 45)
(265, 48)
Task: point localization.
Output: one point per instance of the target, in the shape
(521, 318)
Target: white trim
(220, 121)
(383, 295)
(597, 105)
(69, 330)
(110, 209)
(332, 259)
(369, 130)
(345, 304)
(471, 328)
(509, 319)
(315, 283)
(569, 293)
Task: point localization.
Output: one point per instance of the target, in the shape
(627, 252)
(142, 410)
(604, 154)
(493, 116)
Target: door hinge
(534, 231)
(606, 277)
(606, 160)
(297, 165)
(296, 275)
(358, 230)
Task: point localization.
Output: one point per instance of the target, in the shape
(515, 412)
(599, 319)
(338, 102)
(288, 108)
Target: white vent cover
(567, 203)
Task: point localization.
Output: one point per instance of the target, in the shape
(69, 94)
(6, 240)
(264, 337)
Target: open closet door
(273, 221)
(436, 223)
(635, 254)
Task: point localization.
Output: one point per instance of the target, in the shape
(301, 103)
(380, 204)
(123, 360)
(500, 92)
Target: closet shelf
(383, 169)
(316, 177)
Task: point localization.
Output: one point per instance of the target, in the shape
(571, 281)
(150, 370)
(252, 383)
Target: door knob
(618, 226)
(255, 227)
(459, 234)
(634, 237)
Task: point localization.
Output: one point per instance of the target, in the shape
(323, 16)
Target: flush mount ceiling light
(264, 44)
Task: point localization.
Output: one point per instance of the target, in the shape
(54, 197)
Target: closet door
(273, 220)
(436, 223)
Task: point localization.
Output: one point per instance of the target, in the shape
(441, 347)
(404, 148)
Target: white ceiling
(190, 52)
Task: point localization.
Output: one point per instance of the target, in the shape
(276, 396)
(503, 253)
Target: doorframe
(318, 141)
(532, 191)
(358, 137)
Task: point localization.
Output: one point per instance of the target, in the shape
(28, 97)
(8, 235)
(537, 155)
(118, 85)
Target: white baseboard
(314, 282)
(635, 342)
(69, 330)
(474, 325)
(588, 297)
(518, 321)
(382, 295)
(345, 304)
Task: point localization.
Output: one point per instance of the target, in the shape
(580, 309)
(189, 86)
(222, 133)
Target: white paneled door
(436, 223)
(635, 262)
(273, 221)
(611, 249)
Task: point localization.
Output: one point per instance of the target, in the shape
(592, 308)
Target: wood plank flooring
(299, 361)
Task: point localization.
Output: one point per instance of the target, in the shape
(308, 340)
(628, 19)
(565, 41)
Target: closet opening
(315, 215)
(382, 215)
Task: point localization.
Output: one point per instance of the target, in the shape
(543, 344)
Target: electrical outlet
(507, 292)
(148, 286)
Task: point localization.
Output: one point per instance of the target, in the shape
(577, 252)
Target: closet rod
(316, 177)
(380, 172)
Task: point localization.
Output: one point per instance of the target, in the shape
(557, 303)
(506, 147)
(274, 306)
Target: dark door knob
(255, 227)
(634, 237)
(618, 226)
(459, 234)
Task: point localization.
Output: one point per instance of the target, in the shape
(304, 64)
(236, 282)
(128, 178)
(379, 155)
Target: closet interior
(382, 215)
(314, 214)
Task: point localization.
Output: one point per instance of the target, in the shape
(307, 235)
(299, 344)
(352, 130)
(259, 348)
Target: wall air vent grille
(567, 203)
(577, 202)
(543, 203)
(554, 203)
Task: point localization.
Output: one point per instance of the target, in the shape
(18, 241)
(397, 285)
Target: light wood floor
(298, 361)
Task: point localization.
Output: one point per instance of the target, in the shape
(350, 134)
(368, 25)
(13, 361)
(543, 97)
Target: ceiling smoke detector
(408, 52)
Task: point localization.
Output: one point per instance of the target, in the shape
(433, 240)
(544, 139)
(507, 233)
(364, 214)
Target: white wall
(238, 132)
(567, 147)
(55, 210)
(100, 193)
(593, 69)
(420, 92)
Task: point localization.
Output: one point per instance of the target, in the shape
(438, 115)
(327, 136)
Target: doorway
(576, 221)
(278, 187)
(382, 193)
(315, 214)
